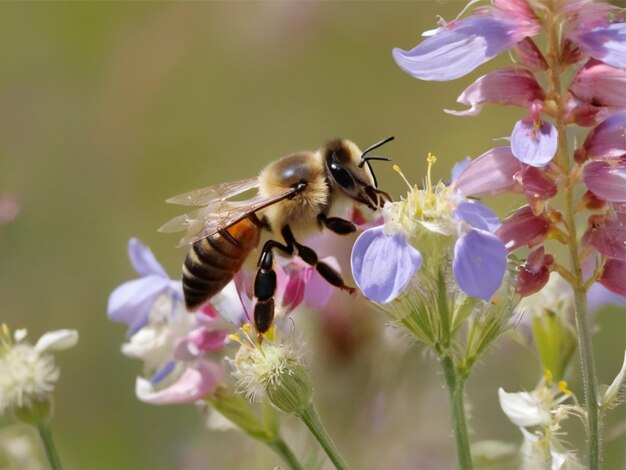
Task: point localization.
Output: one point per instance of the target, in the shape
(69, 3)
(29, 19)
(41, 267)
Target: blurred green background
(107, 109)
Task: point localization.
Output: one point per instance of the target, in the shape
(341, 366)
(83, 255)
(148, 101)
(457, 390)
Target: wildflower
(132, 302)
(28, 373)
(458, 47)
(272, 371)
(432, 221)
(539, 414)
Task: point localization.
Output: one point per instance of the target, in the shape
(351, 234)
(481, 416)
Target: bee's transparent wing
(217, 193)
(220, 215)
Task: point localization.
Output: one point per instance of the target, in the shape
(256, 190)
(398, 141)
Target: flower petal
(523, 228)
(195, 383)
(614, 276)
(132, 302)
(535, 273)
(606, 140)
(479, 263)
(477, 215)
(459, 47)
(383, 265)
(57, 340)
(607, 179)
(318, 290)
(511, 85)
(530, 56)
(143, 260)
(493, 172)
(534, 144)
(523, 409)
(606, 43)
(601, 85)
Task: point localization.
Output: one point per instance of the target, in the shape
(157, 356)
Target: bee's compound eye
(341, 176)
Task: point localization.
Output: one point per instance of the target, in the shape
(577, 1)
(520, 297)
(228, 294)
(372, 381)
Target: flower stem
(284, 451)
(583, 327)
(51, 452)
(310, 417)
(456, 384)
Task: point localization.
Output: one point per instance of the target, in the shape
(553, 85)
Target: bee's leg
(337, 224)
(265, 285)
(310, 257)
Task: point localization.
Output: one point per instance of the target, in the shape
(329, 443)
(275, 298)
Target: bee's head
(350, 171)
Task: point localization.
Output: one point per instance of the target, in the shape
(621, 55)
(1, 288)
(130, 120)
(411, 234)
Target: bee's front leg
(336, 224)
(309, 256)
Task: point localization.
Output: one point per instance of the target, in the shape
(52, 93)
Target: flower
(538, 414)
(28, 373)
(274, 371)
(429, 222)
(458, 47)
(132, 302)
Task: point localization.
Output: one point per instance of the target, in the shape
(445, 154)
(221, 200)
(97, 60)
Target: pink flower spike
(614, 276)
(600, 84)
(493, 172)
(534, 142)
(511, 85)
(194, 384)
(523, 228)
(606, 140)
(530, 56)
(607, 179)
(461, 46)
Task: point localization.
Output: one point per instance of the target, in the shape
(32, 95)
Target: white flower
(27, 372)
(543, 409)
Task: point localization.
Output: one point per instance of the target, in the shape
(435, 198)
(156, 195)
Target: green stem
(312, 420)
(281, 448)
(51, 452)
(455, 384)
(583, 327)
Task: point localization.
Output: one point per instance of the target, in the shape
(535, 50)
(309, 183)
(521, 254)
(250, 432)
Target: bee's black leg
(310, 257)
(337, 224)
(265, 286)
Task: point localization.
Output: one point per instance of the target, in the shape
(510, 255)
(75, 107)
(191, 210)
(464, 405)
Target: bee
(295, 195)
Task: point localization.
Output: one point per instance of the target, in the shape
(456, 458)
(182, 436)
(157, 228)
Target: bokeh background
(107, 109)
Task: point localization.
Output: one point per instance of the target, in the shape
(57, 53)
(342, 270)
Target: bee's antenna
(365, 159)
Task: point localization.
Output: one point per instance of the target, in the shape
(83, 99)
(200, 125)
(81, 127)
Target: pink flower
(511, 85)
(599, 84)
(523, 228)
(535, 273)
(614, 276)
(494, 172)
(607, 179)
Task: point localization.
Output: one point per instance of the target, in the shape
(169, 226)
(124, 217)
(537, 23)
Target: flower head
(423, 229)
(28, 373)
(274, 371)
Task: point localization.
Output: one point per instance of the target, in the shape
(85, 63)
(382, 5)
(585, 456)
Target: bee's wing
(219, 216)
(218, 192)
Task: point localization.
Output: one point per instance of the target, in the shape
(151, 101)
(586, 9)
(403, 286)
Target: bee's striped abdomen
(213, 261)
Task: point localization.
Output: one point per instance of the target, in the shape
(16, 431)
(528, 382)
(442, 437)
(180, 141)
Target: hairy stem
(583, 327)
(312, 420)
(45, 434)
(456, 384)
(284, 451)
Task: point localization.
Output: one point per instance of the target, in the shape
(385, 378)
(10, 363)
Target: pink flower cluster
(593, 47)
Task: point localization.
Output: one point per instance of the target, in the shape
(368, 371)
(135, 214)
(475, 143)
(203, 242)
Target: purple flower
(493, 172)
(479, 263)
(605, 43)
(599, 84)
(383, 265)
(606, 140)
(460, 46)
(132, 302)
(534, 142)
(606, 179)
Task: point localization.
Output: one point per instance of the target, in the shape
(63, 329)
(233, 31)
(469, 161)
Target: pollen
(548, 375)
(563, 388)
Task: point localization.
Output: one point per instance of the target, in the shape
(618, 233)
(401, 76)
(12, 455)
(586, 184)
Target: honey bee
(295, 195)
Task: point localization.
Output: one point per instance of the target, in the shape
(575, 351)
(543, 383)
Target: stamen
(563, 388)
(547, 374)
(396, 168)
